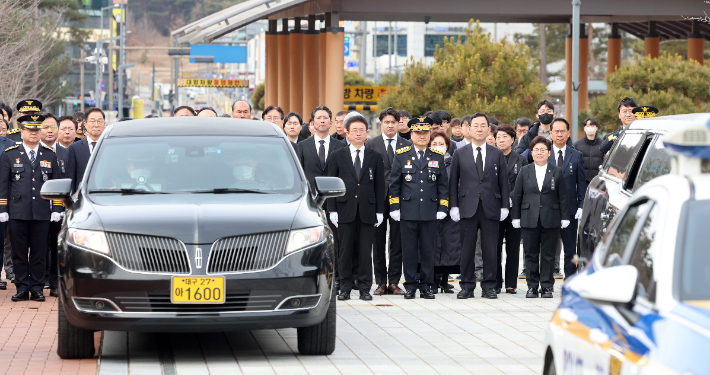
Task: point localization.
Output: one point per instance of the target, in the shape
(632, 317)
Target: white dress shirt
(387, 141)
(326, 144)
(483, 153)
(91, 148)
(540, 175)
(353, 153)
(27, 150)
(555, 149)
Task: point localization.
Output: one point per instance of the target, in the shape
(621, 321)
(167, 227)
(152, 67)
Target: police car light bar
(691, 144)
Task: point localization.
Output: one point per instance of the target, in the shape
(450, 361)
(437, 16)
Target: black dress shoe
(465, 293)
(511, 290)
(54, 292)
(337, 285)
(498, 290)
(37, 295)
(410, 294)
(489, 293)
(426, 293)
(343, 295)
(546, 293)
(365, 295)
(532, 293)
(21, 296)
(447, 288)
(3, 285)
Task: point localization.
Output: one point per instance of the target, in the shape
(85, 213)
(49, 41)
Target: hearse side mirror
(58, 190)
(328, 187)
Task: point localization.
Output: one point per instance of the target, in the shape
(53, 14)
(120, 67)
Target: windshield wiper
(126, 191)
(229, 191)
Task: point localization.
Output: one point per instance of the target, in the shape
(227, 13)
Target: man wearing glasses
(626, 115)
(80, 152)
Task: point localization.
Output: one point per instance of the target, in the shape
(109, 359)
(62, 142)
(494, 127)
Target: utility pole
(576, 4)
(363, 48)
(109, 88)
(152, 89)
(122, 60)
(81, 80)
(177, 76)
(389, 46)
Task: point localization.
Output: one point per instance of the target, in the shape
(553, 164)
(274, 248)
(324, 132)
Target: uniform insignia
(12, 147)
(409, 164)
(394, 200)
(421, 119)
(13, 131)
(611, 137)
(444, 202)
(17, 161)
(403, 149)
(34, 118)
(433, 164)
(47, 147)
(45, 164)
(44, 177)
(435, 151)
(408, 178)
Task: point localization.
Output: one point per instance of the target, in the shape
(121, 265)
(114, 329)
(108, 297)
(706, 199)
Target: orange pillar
(696, 43)
(271, 81)
(652, 41)
(613, 60)
(583, 69)
(296, 68)
(311, 64)
(568, 75)
(284, 71)
(334, 72)
(321, 67)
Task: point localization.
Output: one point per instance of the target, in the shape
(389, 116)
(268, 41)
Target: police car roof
(193, 126)
(666, 123)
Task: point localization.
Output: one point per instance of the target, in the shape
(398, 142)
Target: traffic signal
(171, 95)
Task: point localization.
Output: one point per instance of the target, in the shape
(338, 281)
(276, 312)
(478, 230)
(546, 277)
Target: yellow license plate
(197, 289)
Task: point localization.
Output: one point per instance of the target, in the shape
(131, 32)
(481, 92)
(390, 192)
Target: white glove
(440, 215)
(565, 224)
(511, 202)
(578, 215)
(503, 213)
(380, 217)
(395, 215)
(4, 217)
(56, 216)
(334, 218)
(455, 215)
(516, 223)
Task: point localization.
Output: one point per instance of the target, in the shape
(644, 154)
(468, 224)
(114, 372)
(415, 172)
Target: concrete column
(284, 93)
(296, 68)
(335, 40)
(696, 43)
(613, 60)
(583, 69)
(271, 81)
(652, 41)
(311, 65)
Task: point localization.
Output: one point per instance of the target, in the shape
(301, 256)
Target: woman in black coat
(505, 136)
(540, 208)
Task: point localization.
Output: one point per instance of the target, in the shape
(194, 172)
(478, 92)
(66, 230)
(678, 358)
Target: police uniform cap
(31, 121)
(645, 111)
(29, 105)
(420, 124)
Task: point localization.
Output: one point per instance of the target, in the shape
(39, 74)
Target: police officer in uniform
(419, 196)
(25, 107)
(23, 170)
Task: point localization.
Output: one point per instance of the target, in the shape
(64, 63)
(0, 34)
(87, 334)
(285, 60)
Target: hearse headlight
(88, 239)
(302, 238)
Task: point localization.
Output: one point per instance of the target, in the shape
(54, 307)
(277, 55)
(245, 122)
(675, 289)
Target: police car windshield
(695, 273)
(181, 164)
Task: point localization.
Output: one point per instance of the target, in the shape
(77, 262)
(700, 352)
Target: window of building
(382, 49)
(431, 40)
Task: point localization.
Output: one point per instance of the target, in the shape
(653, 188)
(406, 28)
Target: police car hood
(192, 218)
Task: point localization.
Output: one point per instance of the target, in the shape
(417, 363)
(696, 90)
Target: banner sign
(364, 93)
(213, 83)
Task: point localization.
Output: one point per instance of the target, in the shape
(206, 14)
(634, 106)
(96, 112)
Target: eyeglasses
(539, 150)
(558, 131)
(96, 122)
(357, 131)
(53, 127)
(272, 118)
(626, 111)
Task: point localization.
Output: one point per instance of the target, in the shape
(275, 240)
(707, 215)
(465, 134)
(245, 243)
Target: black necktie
(32, 157)
(93, 145)
(321, 153)
(390, 150)
(357, 164)
(479, 163)
(559, 158)
(421, 159)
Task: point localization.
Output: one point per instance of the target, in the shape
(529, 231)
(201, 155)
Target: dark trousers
(7, 253)
(30, 266)
(379, 251)
(418, 249)
(489, 240)
(352, 234)
(569, 242)
(3, 227)
(539, 244)
(512, 253)
(52, 262)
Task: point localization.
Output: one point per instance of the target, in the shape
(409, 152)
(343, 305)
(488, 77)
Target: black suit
(77, 159)
(540, 214)
(56, 226)
(480, 200)
(357, 209)
(515, 163)
(379, 247)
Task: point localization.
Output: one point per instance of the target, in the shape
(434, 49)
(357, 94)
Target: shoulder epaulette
(403, 149)
(435, 151)
(48, 148)
(11, 147)
(13, 131)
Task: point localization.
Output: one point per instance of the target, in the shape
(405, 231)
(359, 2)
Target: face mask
(590, 130)
(243, 172)
(546, 118)
(140, 175)
(441, 149)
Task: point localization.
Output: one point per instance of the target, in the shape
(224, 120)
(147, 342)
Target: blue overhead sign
(221, 54)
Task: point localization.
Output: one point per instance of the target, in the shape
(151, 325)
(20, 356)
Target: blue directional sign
(103, 85)
(347, 45)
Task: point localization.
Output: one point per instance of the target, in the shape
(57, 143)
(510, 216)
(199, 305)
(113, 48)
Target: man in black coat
(589, 147)
(571, 162)
(80, 152)
(419, 196)
(386, 144)
(23, 170)
(479, 199)
(360, 210)
(626, 115)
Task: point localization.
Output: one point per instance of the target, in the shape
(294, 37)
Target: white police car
(642, 304)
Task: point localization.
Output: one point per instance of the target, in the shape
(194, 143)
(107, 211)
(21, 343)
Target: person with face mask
(589, 147)
(545, 115)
